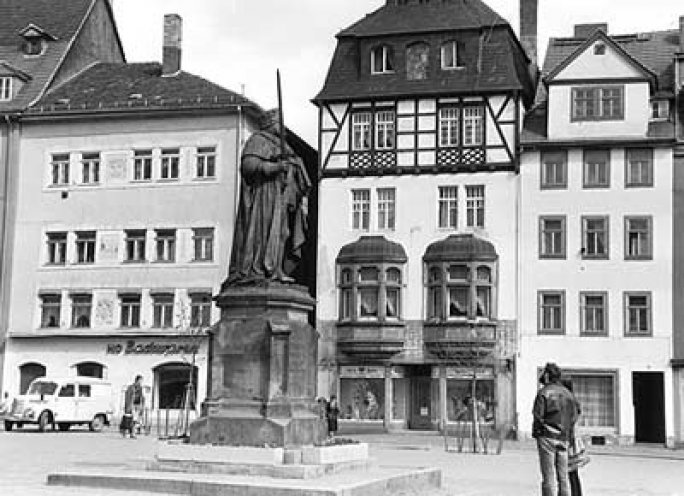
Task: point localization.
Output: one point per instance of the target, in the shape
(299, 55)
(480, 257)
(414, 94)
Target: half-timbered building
(420, 119)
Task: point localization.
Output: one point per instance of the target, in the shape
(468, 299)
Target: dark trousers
(575, 486)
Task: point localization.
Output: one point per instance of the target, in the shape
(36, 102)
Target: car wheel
(8, 425)
(97, 424)
(64, 427)
(43, 421)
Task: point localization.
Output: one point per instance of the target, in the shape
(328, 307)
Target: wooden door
(421, 404)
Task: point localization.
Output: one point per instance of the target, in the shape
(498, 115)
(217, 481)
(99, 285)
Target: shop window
(597, 394)
(172, 385)
(460, 404)
(28, 372)
(362, 399)
(90, 369)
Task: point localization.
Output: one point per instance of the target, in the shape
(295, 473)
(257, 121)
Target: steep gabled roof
(60, 20)
(436, 16)
(600, 35)
(121, 87)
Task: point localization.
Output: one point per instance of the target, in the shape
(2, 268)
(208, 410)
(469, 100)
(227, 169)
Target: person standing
(134, 403)
(576, 454)
(332, 413)
(554, 413)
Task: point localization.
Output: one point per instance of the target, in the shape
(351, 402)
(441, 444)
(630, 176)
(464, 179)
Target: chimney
(173, 35)
(528, 28)
(584, 31)
(681, 34)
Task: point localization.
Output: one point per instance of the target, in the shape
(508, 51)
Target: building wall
(614, 275)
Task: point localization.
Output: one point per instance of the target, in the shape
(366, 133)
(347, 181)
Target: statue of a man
(271, 223)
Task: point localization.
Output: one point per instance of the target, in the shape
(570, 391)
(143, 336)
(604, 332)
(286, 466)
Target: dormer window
(5, 88)
(660, 109)
(34, 46)
(35, 40)
(449, 54)
(382, 60)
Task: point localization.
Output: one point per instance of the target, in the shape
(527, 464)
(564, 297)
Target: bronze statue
(271, 222)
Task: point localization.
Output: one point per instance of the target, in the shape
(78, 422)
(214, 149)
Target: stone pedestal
(263, 371)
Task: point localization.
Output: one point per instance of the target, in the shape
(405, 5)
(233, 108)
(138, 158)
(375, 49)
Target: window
(60, 169)
(597, 103)
(448, 127)
(660, 109)
(81, 308)
(90, 168)
(166, 245)
(203, 241)
(551, 318)
(596, 393)
(361, 209)
(449, 55)
(638, 314)
(460, 291)
(386, 208)
(599, 49)
(594, 313)
(473, 125)
(448, 207)
(384, 130)
(596, 170)
(142, 165)
(554, 170)
(200, 309)
(84, 390)
(67, 391)
(552, 237)
(382, 60)
(130, 310)
(51, 305)
(135, 245)
(638, 167)
(5, 89)
(206, 162)
(33, 45)
(56, 248)
(370, 292)
(170, 159)
(85, 247)
(475, 206)
(594, 237)
(361, 131)
(162, 306)
(638, 238)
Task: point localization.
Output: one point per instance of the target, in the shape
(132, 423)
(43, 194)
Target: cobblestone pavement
(28, 456)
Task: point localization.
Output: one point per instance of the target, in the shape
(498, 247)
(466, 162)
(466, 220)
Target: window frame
(130, 307)
(649, 168)
(203, 243)
(449, 126)
(543, 172)
(563, 237)
(60, 164)
(475, 206)
(163, 307)
(585, 169)
(205, 162)
(649, 242)
(447, 205)
(384, 130)
(584, 233)
(165, 244)
(81, 301)
(142, 165)
(473, 126)
(542, 331)
(50, 301)
(597, 97)
(349, 291)
(86, 247)
(6, 88)
(360, 210)
(200, 309)
(583, 313)
(386, 209)
(361, 130)
(136, 244)
(90, 168)
(387, 62)
(649, 314)
(58, 240)
(452, 47)
(169, 164)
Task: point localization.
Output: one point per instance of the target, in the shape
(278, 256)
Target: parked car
(63, 402)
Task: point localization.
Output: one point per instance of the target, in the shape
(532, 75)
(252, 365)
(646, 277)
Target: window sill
(205, 179)
(168, 180)
(138, 181)
(134, 262)
(553, 257)
(641, 258)
(553, 187)
(638, 185)
(456, 68)
(595, 186)
(602, 334)
(54, 265)
(595, 257)
(549, 332)
(648, 334)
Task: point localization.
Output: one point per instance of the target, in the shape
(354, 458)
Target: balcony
(370, 341)
(468, 342)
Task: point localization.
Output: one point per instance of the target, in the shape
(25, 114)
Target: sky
(240, 44)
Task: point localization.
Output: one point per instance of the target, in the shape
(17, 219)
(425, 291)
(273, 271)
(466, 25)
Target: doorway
(648, 397)
(421, 398)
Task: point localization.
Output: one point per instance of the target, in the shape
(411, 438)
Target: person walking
(554, 413)
(332, 412)
(134, 403)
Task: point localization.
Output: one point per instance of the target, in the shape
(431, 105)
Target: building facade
(597, 228)
(420, 117)
(42, 44)
(124, 194)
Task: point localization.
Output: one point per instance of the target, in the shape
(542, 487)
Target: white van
(63, 402)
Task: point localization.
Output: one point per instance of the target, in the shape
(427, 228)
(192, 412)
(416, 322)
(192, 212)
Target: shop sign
(362, 372)
(152, 348)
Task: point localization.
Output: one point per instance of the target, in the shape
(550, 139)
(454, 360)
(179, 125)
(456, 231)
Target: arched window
(90, 369)
(382, 59)
(27, 373)
(172, 384)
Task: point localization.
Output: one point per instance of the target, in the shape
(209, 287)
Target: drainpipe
(4, 320)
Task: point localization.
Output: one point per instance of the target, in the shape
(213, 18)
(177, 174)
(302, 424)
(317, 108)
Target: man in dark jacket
(555, 413)
(134, 402)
